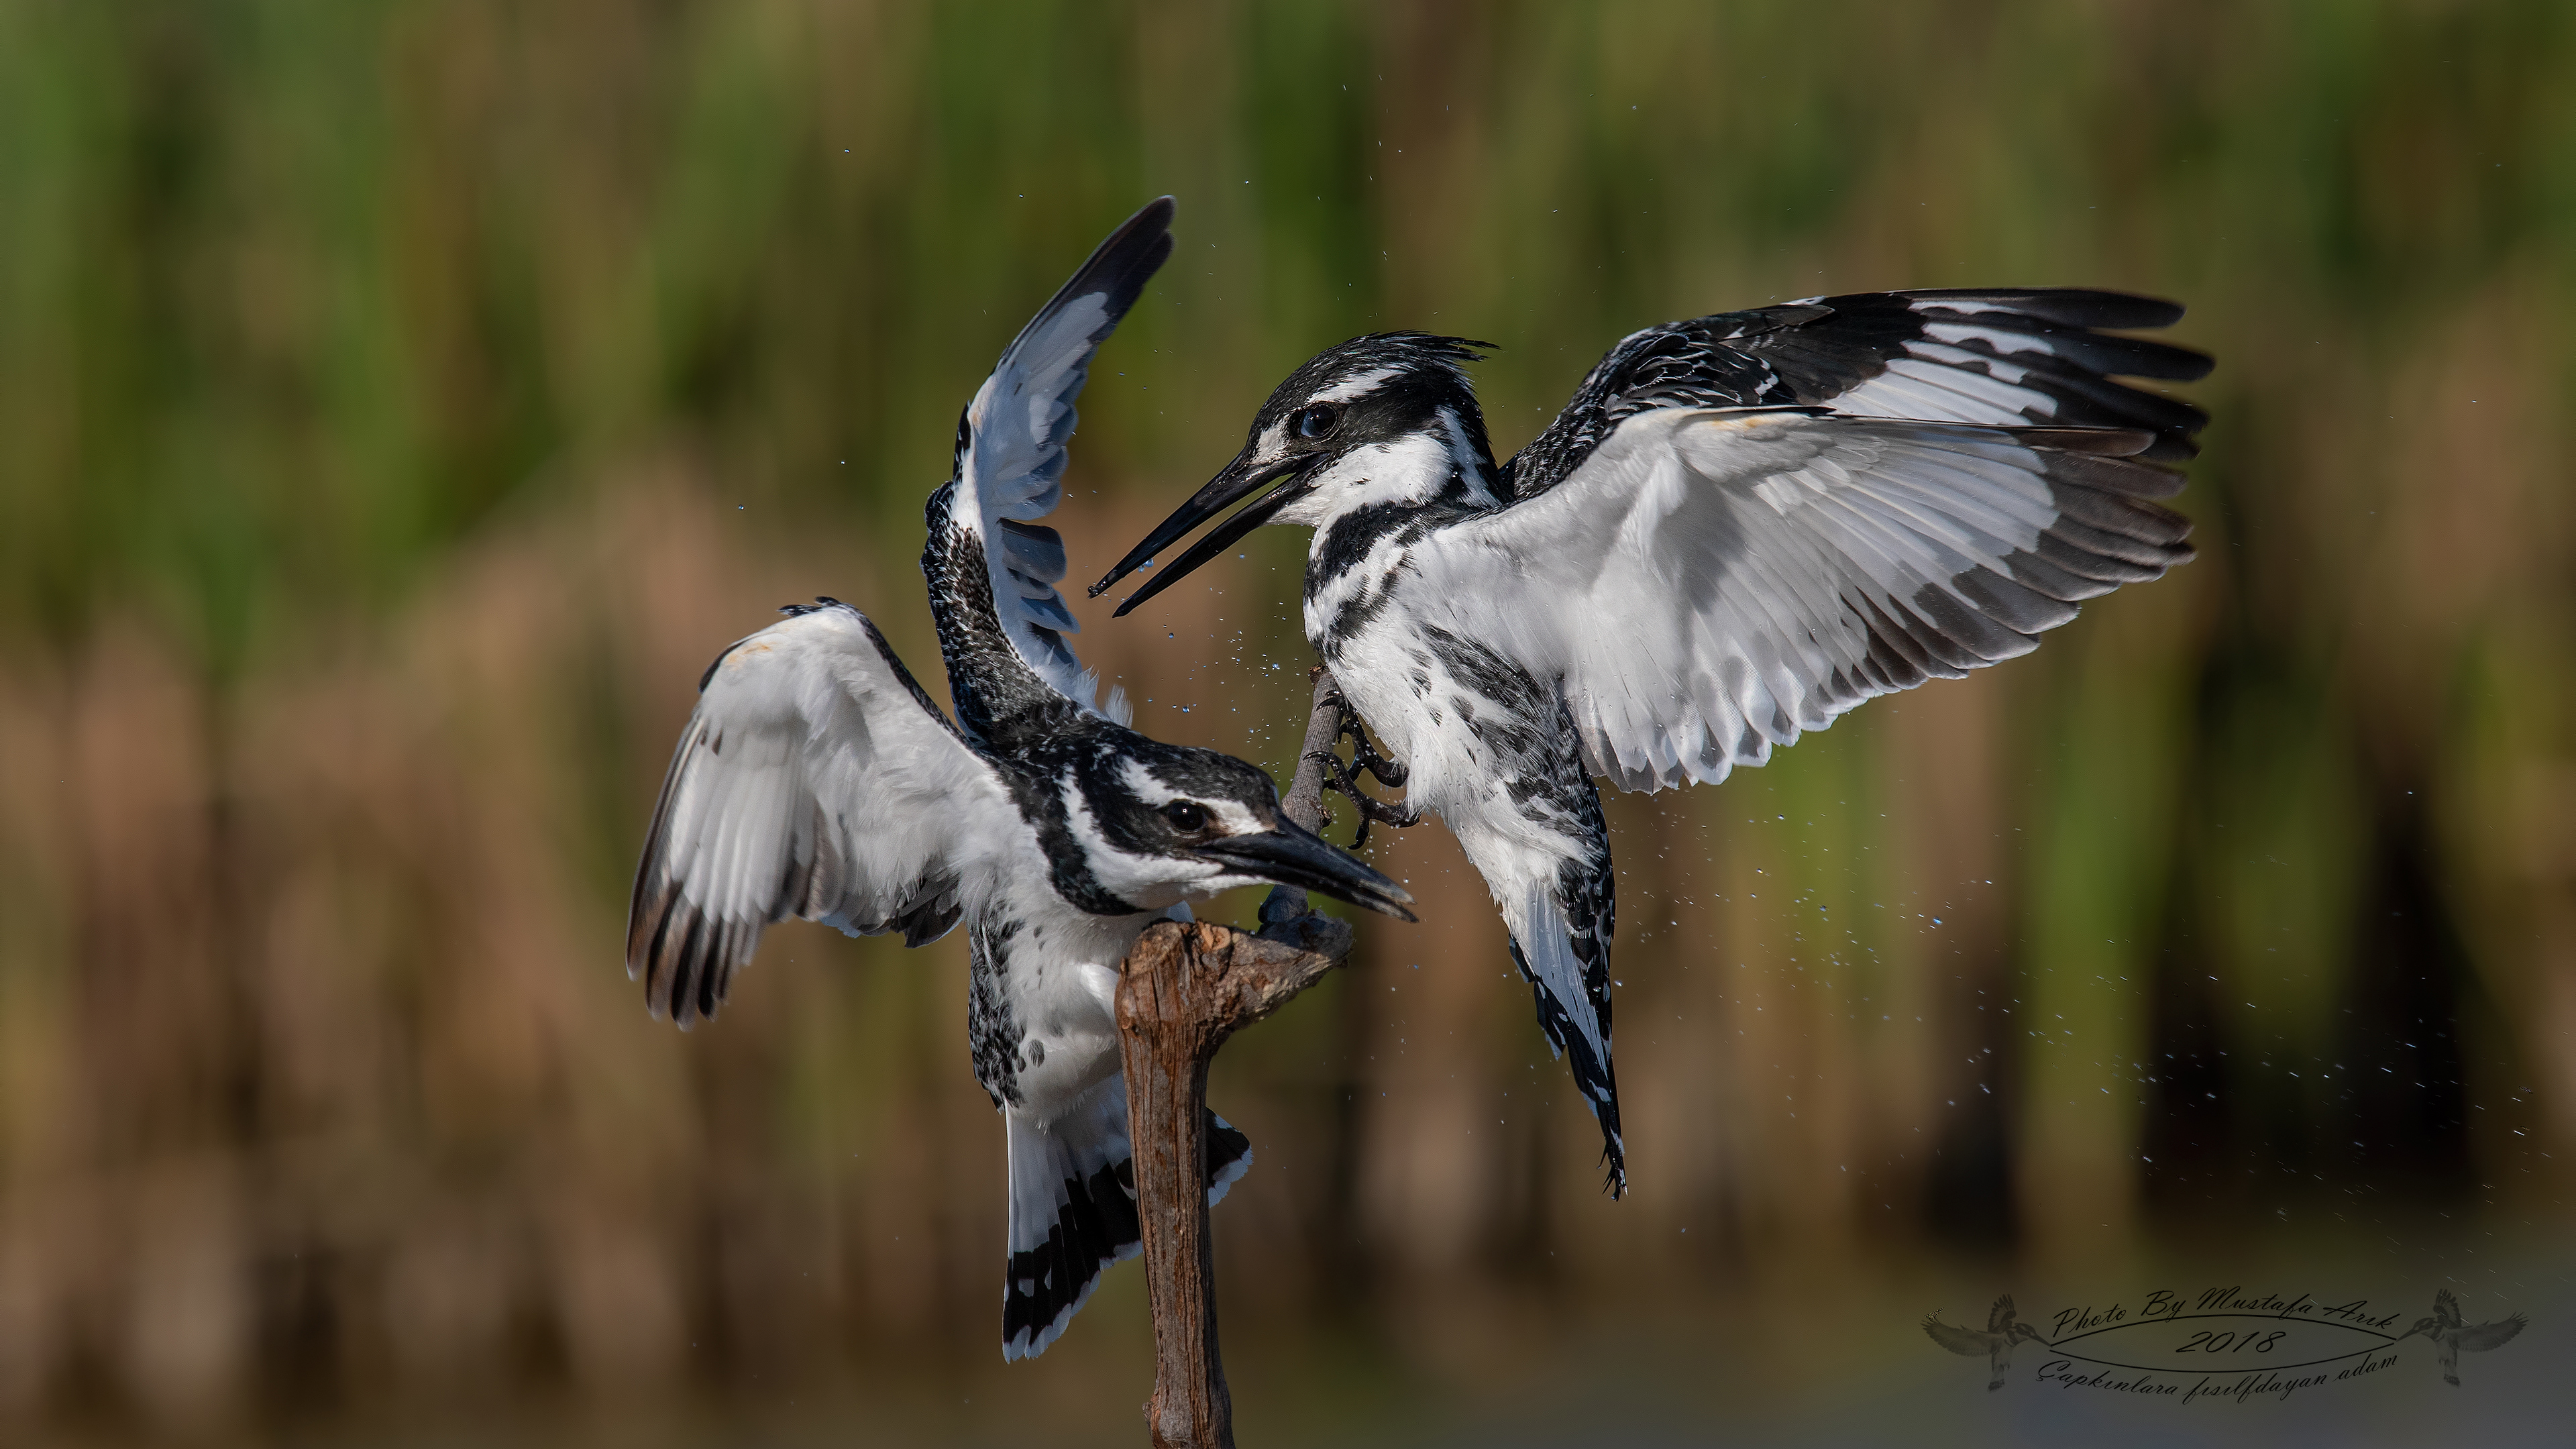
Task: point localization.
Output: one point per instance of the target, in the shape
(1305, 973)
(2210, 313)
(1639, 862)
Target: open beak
(1240, 477)
(1295, 857)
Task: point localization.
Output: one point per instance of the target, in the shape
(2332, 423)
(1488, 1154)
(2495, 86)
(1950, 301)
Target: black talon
(1365, 758)
(1402, 817)
(1364, 755)
(1338, 775)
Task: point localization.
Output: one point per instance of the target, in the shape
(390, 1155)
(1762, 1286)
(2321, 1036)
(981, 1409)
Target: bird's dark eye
(1186, 815)
(1316, 421)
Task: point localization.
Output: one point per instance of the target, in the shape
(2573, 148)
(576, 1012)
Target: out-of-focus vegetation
(399, 403)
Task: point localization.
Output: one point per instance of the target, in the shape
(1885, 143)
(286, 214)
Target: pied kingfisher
(1740, 527)
(816, 779)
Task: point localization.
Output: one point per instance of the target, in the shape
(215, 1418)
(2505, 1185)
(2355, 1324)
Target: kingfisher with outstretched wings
(816, 779)
(1740, 527)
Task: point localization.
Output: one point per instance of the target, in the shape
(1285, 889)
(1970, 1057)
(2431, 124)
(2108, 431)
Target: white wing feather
(1711, 582)
(1011, 448)
(813, 780)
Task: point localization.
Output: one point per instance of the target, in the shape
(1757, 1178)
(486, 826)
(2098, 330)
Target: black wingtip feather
(2127, 516)
(2015, 605)
(1120, 266)
(2096, 442)
(2056, 547)
(2123, 544)
(1976, 639)
(2133, 477)
(2066, 306)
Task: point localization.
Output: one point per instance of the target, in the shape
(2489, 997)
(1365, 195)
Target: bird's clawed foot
(1364, 755)
(1343, 776)
(1338, 775)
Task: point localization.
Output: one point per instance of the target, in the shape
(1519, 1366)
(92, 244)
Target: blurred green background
(399, 404)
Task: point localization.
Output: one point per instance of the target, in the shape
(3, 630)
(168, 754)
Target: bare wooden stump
(1182, 991)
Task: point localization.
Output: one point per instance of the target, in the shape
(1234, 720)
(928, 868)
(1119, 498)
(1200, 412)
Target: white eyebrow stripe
(1237, 818)
(1234, 815)
(1356, 385)
(1146, 786)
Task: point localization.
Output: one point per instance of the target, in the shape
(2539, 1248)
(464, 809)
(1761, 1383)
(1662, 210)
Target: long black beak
(1295, 857)
(1239, 478)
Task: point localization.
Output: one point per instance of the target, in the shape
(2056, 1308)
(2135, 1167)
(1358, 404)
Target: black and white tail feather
(1073, 1209)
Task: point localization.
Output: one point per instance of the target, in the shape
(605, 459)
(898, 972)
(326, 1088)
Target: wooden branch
(1304, 802)
(1182, 991)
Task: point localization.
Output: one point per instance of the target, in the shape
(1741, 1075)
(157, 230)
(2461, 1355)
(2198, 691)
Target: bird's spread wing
(1011, 444)
(1999, 1318)
(2487, 1336)
(2025, 357)
(2010, 358)
(2446, 1307)
(815, 779)
(1955, 1338)
(1711, 583)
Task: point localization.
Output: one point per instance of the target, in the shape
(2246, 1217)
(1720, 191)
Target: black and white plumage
(816, 779)
(1741, 526)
